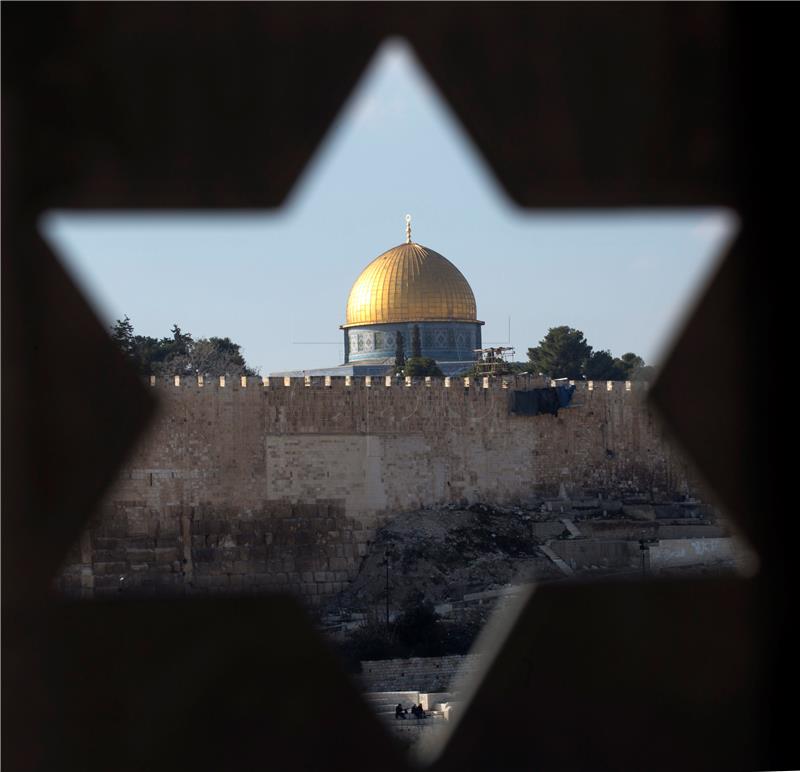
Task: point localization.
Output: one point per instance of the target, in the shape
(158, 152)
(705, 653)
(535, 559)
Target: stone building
(408, 286)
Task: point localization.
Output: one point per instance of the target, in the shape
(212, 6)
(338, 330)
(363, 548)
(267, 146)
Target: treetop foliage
(421, 366)
(418, 631)
(400, 352)
(416, 343)
(565, 353)
(179, 354)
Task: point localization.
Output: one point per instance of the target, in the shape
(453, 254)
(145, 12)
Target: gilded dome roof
(410, 283)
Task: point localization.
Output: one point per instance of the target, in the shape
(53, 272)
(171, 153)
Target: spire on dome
(408, 229)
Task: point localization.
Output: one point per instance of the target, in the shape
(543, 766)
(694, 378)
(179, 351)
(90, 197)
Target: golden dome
(410, 283)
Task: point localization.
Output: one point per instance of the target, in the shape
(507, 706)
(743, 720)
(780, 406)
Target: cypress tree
(399, 353)
(416, 343)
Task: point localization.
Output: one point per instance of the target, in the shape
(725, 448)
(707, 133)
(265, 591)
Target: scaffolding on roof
(495, 360)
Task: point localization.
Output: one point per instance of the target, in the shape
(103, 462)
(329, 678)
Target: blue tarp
(542, 401)
(565, 394)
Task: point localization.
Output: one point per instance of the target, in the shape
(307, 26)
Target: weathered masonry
(280, 483)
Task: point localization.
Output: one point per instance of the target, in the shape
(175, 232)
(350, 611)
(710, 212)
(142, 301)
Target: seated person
(399, 711)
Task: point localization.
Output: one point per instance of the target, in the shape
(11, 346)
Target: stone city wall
(249, 484)
(421, 674)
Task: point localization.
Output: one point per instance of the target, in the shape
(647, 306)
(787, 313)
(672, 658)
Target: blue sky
(277, 282)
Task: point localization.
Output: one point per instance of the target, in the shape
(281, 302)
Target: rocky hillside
(443, 554)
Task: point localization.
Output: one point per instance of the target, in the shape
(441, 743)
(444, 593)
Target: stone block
(141, 556)
(110, 556)
(115, 569)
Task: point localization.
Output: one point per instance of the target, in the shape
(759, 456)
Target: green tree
(422, 366)
(122, 335)
(179, 354)
(631, 362)
(416, 343)
(565, 353)
(204, 356)
(418, 629)
(562, 353)
(399, 352)
(601, 366)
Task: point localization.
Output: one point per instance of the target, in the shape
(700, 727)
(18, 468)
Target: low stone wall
(584, 553)
(621, 529)
(423, 674)
(674, 553)
(311, 549)
(667, 553)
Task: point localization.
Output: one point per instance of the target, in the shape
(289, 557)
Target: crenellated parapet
(355, 383)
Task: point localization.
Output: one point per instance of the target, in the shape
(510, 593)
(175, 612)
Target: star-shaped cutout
(42, 660)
